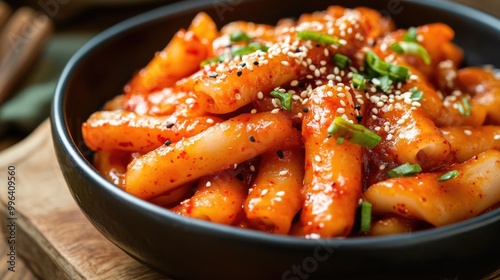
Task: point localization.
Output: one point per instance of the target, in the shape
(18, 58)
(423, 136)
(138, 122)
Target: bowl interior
(98, 72)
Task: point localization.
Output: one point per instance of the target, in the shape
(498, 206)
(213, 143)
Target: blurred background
(38, 37)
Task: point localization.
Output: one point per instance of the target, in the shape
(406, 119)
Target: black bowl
(191, 249)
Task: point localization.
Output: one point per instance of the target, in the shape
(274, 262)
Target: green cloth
(30, 105)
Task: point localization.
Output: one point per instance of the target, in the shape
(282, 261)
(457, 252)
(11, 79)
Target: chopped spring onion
(354, 133)
(341, 61)
(218, 59)
(385, 83)
(318, 37)
(383, 71)
(411, 35)
(285, 99)
(248, 49)
(375, 66)
(449, 175)
(465, 109)
(239, 36)
(398, 73)
(358, 81)
(416, 95)
(241, 51)
(366, 216)
(412, 48)
(404, 170)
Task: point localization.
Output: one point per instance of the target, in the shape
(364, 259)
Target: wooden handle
(21, 41)
(5, 12)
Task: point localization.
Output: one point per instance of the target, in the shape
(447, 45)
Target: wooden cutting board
(52, 236)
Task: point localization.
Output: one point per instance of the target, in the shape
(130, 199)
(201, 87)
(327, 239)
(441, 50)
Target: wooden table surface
(130, 269)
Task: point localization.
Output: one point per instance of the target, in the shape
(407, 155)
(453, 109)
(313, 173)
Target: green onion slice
(341, 61)
(285, 99)
(449, 175)
(241, 51)
(366, 216)
(239, 36)
(404, 170)
(411, 35)
(385, 83)
(375, 66)
(398, 73)
(354, 133)
(318, 37)
(248, 49)
(465, 108)
(411, 48)
(358, 81)
(416, 95)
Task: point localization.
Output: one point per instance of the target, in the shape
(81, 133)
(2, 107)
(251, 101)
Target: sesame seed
(280, 154)
(190, 100)
(342, 102)
(275, 111)
(375, 110)
(264, 192)
(237, 96)
(340, 110)
(280, 193)
(285, 63)
(260, 95)
(317, 158)
(294, 83)
(467, 132)
(253, 111)
(252, 168)
(496, 137)
(209, 120)
(283, 172)
(389, 136)
(381, 167)
(208, 184)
